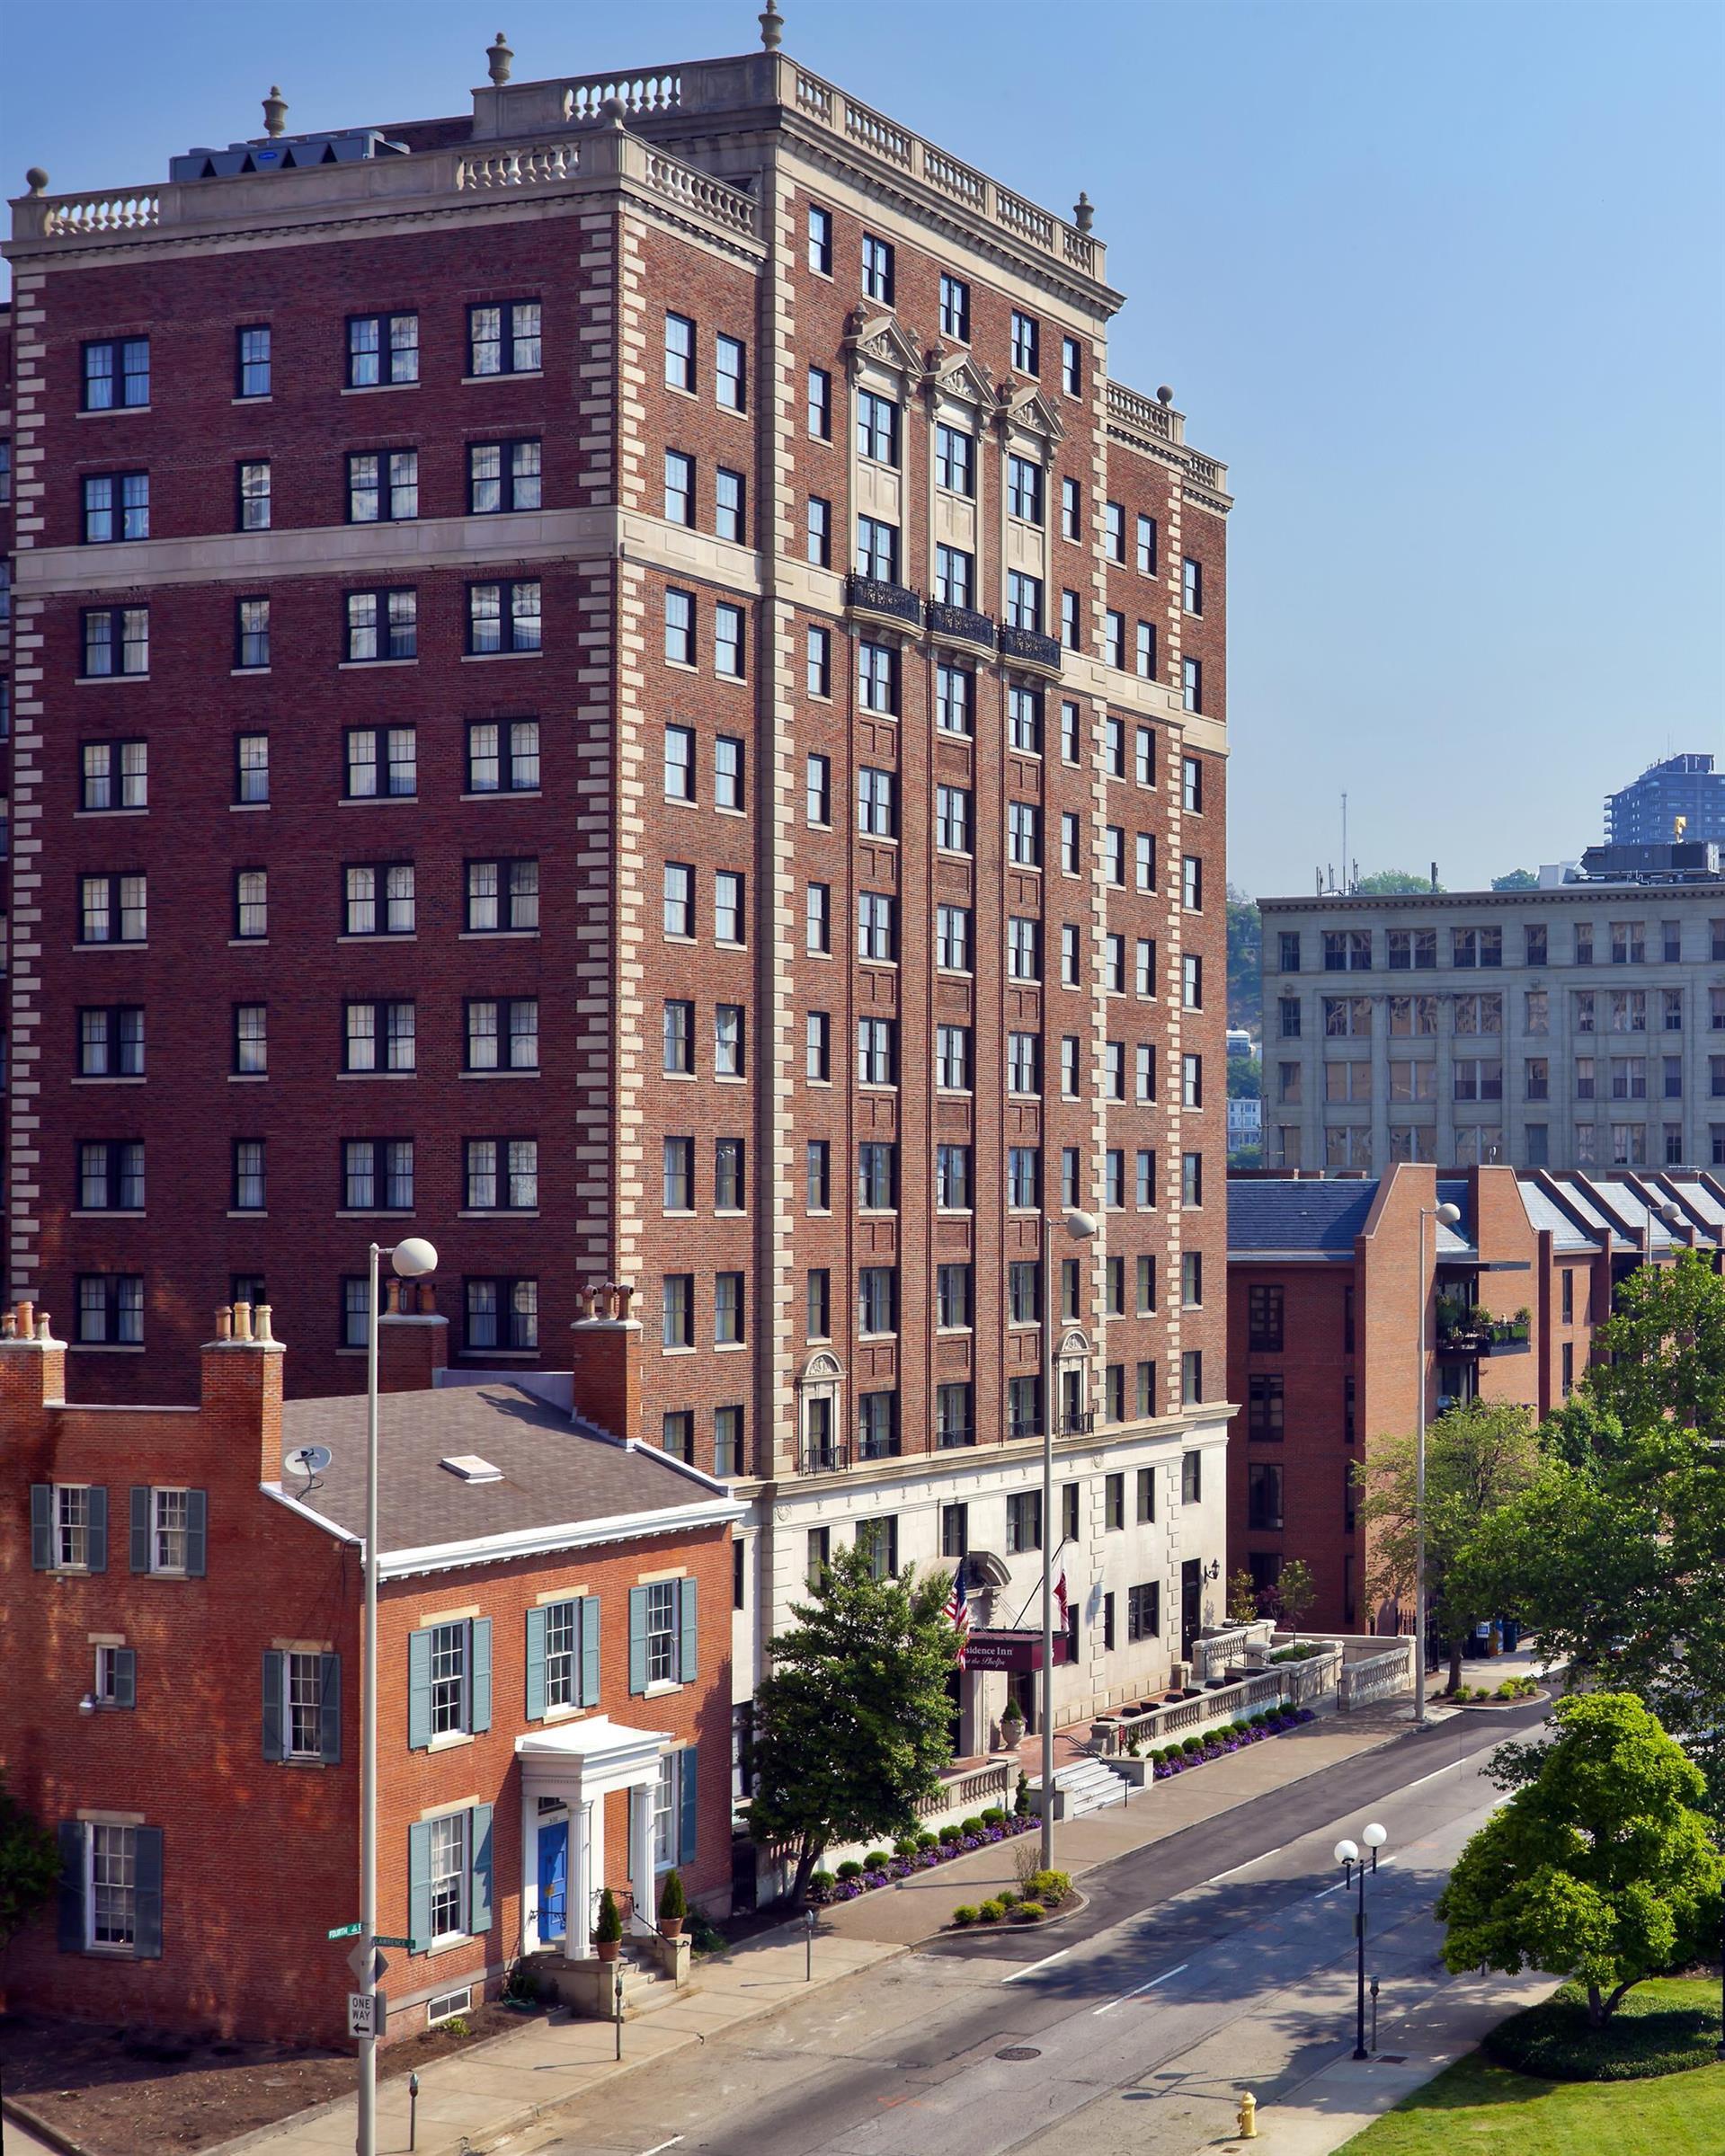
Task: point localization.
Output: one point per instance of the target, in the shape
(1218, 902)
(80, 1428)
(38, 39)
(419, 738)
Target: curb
(9, 2107)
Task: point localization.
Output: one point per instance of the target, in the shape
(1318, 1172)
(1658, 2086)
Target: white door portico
(575, 1767)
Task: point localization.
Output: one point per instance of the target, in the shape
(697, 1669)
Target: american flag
(959, 1610)
(1060, 1596)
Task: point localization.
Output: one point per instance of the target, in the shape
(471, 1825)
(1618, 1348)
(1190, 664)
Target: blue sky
(1440, 282)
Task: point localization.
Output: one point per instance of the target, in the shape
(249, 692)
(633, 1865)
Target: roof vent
(467, 1467)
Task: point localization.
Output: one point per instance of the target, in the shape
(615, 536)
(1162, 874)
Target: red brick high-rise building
(613, 681)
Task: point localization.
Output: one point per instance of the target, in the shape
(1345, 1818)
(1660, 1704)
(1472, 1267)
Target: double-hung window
(116, 506)
(378, 900)
(382, 485)
(250, 904)
(111, 1309)
(1024, 490)
(252, 357)
(820, 531)
(952, 1058)
(504, 617)
(504, 476)
(819, 240)
(504, 1315)
(679, 352)
(502, 897)
(382, 626)
(877, 678)
(1026, 343)
(876, 927)
(877, 269)
(955, 308)
(378, 1175)
(504, 339)
(116, 641)
(952, 938)
(502, 1174)
(502, 1033)
(820, 405)
(117, 374)
(877, 802)
(877, 549)
(680, 488)
(113, 776)
(730, 373)
(953, 576)
(111, 1175)
(729, 497)
(110, 1041)
(252, 486)
(876, 428)
(382, 762)
(382, 349)
(954, 460)
(1024, 720)
(113, 909)
(878, 1051)
(952, 819)
(251, 634)
(1023, 601)
(380, 1036)
(954, 699)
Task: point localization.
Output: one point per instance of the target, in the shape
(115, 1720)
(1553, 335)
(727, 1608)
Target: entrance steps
(1085, 1786)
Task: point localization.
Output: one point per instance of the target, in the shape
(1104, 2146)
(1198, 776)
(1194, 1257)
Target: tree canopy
(1478, 1456)
(1392, 883)
(1516, 879)
(30, 1865)
(1614, 1556)
(1245, 942)
(852, 1720)
(1600, 1867)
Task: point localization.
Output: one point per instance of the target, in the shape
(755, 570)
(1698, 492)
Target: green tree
(1245, 1078)
(1242, 1598)
(853, 1722)
(30, 1866)
(1245, 945)
(1392, 883)
(1295, 1592)
(1478, 1457)
(1518, 879)
(1600, 1867)
(1612, 1558)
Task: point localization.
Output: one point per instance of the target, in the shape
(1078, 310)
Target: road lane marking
(659, 2145)
(1433, 1776)
(1035, 1966)
(1151, 1986)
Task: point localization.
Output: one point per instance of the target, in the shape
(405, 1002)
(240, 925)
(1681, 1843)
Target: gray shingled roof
(1279, 1213)
(553, 1474)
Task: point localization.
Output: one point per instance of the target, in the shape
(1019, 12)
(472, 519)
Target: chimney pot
(44, 1329)
(26, 1321)
(242, 1321)
(262, 1322)
(225, 1323)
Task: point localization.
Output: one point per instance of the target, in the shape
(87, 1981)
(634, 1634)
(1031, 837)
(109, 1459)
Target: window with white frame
(382, 349)
(449, 1869)
(504, 339)
(382, 485)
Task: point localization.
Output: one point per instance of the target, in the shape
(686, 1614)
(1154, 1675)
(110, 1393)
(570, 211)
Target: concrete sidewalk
(476, 2100)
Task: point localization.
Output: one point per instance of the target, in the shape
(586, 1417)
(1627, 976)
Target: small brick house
(182, 1701)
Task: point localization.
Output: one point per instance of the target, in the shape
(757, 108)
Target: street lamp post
(1347, 1855)
(1444, 1215)
(410, 1260)
(1081, 1227)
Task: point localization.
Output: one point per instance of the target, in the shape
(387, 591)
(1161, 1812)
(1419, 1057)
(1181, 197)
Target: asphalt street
(1222, 1956)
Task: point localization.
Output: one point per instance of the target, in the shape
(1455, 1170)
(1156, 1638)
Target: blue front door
(553, 1880)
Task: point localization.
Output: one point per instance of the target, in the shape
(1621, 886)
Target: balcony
(1029, 648)
(960, 625)
(1078, 1422)
(827, 1458)
(1465, 1329)
(1024, 1426)
(948, 1440)
(882, 601)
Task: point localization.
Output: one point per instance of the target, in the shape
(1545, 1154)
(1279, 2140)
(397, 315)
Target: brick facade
(260, 1858)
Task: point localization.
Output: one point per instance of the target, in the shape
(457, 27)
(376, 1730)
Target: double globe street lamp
(1348, 1855)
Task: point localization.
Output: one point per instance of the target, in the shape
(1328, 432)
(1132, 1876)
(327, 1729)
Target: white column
(530, 1934)
(641, 1853)
(592, 1815)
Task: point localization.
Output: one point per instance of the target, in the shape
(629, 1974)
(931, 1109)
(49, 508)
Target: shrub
(704, 1937)
(1256, 1721)
(1021, 1795)
(905, 1846)
(1048, 1886)
(1237, 1727)
(851, 1869)
(1664, 2025)
(993, 1816)
(821, 1885)
(672, 1901)
(925, 1842)
(970, 1826)
(609, 1924)
(1028, 1912)
(964, 1914)
(1132, 1749)
(950, 1833)
(456, 2025)
(991, 1912)
(1007, 1898)
(877, 1859)
(1191, 1745)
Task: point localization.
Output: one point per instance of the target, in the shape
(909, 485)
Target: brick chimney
(412, 1339)
(32, 1366)
(606, 1353)
(241, 1383)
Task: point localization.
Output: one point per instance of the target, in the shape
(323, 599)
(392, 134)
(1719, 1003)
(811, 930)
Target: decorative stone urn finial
(1164, 395)
(275, 112)
(498, 56)
(773, 25)
(1083, 212)
(613, 112)
(36, 180)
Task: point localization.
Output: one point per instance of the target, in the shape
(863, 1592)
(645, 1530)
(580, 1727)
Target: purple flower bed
(1217, 1746)
(824, 1888)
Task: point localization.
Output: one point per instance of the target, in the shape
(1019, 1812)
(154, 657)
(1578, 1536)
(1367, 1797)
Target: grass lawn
(1474, 2108)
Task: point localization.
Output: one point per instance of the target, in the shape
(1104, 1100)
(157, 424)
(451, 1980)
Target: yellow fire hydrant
(1248, 2116)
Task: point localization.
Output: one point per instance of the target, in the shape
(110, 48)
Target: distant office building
(1645, 812)
(1580, 1025)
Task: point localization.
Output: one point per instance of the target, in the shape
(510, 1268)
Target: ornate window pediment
(1074, 1345)
(822, 1368)
(964, 380)
(1026, 411)
(882, 341)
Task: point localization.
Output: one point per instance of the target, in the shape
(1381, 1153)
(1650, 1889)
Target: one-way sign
(367, 2013)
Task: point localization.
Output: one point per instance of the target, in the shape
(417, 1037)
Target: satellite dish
(308, 1461)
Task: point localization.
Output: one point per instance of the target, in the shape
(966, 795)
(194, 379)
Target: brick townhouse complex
(1579, 1026)
(553, 1684)
(614, 680)
(1345, 1295)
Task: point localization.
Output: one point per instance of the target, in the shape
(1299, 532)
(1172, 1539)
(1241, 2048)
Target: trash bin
(1511, 1634)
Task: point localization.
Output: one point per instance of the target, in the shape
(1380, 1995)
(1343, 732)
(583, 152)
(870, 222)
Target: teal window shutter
(125, 1677)
(197, 1532)
(637, 1639)
(41, 1526)
(329, 1711)
(479, 1692)
(419, 1696)
(146, 1934)
(71, 1917)
(275, 1664)
(479, 1871)
(690, 1804)
(419, 1878)
(589, 1620)
(96, 1541)
(140, 1529)
(536, 1665)
(686, 1659)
